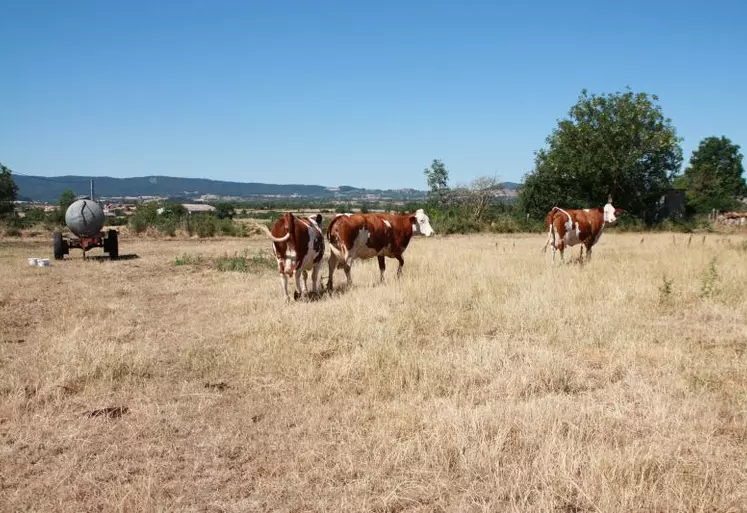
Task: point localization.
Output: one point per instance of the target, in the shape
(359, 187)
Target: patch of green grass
(244, 263)
(188, 259)
(665, 290)
(708, 287)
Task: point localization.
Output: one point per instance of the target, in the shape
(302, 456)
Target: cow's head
(421, 225)
(611, 213)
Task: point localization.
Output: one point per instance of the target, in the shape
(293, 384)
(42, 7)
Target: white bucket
(42, 262)
(33, 261)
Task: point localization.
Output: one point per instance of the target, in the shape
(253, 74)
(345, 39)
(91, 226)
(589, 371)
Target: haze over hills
(49, 189)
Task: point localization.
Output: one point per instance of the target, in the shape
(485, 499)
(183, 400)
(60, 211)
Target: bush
(505, 224)
(116, 221)
(630, 224)
(229, 228)
(455, 224)
(138, 223)
(35, 216)
(202, 225)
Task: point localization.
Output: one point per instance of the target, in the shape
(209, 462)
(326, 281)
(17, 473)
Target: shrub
(629, 224)
(665, 290)
(203, 225)
(229, 228)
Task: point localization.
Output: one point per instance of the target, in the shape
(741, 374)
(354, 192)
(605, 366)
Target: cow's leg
(346, 267)
(382, 267)
(401, 265)
(284, 285)
(283, 279)
(348, 264)
(315, 276)
(558, 246)
(304, 287)
(332, 263)
(588, 253)
(297, 279)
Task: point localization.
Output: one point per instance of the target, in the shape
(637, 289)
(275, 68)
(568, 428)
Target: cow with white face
(377, 235)
(568, 227)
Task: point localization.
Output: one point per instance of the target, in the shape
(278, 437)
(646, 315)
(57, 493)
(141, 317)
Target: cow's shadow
(323, 293)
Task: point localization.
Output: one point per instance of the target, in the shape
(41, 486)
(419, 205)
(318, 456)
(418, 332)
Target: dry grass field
(484, 380)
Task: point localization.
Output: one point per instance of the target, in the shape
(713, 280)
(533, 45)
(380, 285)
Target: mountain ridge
(49, 189)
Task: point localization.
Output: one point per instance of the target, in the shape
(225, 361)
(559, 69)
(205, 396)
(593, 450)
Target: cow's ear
(413, 219)
(619, 211)
(319, 219)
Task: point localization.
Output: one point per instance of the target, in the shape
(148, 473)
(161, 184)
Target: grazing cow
(566, 227)
(366, 236)
(298, 245)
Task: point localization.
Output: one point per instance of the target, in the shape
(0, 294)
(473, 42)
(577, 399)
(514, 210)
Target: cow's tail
(290, 227)
(271, 236)
(550, 221)
(333, 240)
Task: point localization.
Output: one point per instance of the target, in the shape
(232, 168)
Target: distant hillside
(39, 188)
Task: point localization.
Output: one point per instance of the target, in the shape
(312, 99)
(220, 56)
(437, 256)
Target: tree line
(617, 145)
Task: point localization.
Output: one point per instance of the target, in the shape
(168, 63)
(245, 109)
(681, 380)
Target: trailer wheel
(112, 243)
(60, 246)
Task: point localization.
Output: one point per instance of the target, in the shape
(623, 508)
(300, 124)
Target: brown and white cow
(568, 227)
(378, 235)
(298, 244)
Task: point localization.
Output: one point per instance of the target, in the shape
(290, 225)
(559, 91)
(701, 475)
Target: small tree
(67, 198)
(224, 211)
(438, 181)
(714, 180)
(8, 192)
(481, 192)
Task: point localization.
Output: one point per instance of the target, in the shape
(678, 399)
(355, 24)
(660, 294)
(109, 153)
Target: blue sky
(346, 92)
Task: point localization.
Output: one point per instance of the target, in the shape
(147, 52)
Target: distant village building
(194, 208)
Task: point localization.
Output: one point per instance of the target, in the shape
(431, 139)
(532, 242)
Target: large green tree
(618, 145)
(8, 192)
(714, 177)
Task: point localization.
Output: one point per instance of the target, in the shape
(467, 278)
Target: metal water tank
(84, 218)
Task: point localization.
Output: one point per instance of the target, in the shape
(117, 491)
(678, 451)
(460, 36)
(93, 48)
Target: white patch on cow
(572, 234)
(389, 225)
(311, 254)
(571, 237)
(360, 249)
(586, 210)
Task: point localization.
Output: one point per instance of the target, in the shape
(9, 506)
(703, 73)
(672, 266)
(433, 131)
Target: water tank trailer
(85, 218)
